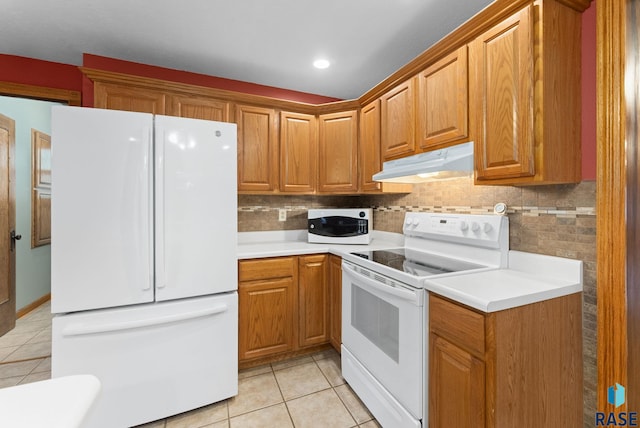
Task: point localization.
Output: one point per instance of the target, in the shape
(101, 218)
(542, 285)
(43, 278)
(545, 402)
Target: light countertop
(529, 278)
(255, 245)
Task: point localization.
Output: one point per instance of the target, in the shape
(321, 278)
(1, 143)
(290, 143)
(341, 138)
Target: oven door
(383, 329)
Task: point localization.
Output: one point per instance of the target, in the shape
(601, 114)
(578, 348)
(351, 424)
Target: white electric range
(384, 310)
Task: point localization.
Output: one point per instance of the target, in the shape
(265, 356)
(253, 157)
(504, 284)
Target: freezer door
(101, 209)
(196, 207)
(153, 360)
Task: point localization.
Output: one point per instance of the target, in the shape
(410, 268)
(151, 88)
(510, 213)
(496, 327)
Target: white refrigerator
(143, 260)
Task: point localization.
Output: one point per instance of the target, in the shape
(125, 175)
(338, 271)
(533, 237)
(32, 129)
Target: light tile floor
(25, 352)
(303, 392)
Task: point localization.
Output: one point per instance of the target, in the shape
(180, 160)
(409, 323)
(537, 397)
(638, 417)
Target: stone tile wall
(555, 220)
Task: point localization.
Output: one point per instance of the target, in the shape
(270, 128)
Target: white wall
(33, 266)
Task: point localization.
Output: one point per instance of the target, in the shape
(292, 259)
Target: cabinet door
(338, 152)
(335, 301)
(370, 162)
(456, 386)
(266, 322)
(313, 300)
(129, 98)
(502, 98)
(398, 121)
(298, 152)
(443, 101)
(199, 108)
(257, 148)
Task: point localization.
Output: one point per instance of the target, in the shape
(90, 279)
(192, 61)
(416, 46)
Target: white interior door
(101, 211)
(196, 207)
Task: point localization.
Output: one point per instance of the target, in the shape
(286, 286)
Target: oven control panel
(473, 229)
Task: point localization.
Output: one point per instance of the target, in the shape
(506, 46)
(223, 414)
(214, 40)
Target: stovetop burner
(415, 262)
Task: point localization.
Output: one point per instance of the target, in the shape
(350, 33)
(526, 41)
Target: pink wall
(589, 93)
(28, 71)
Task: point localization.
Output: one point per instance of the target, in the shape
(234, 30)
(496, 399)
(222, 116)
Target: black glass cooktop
(415, 262)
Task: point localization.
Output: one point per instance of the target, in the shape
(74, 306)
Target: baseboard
(31, 306)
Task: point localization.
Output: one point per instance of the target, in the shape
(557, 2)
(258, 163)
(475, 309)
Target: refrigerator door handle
(160, 141)
(148, 136)
(81, 329)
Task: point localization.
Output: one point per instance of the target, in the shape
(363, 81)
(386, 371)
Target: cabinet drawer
(459, 325)
(279, 267)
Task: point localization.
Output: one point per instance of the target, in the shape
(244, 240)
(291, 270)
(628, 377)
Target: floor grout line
(25, 359)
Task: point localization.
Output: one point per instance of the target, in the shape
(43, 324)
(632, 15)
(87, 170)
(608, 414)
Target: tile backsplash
(557, 220)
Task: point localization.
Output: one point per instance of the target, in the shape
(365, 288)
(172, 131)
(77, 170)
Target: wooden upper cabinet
(338, 152)
(503, 102)
(525, 97)
(443, 101)
(257, 149)
(298, 152)
(370, 162)
(114, 96)
(199, 108)
(397, 123)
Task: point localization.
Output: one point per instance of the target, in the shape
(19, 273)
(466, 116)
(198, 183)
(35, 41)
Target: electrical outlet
(282, 214)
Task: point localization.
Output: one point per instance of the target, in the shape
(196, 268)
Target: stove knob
(475, 226)
(407, 221)
(487, 227)
(464, 226)
(416, 222)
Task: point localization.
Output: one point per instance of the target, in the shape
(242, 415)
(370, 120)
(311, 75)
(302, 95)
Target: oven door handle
(380, 286)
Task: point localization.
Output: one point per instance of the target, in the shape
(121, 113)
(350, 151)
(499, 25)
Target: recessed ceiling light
(321, 63)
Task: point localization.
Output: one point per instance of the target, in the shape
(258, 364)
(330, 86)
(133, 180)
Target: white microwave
(340, 226)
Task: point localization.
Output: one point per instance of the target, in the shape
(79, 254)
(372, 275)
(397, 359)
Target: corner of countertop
(560, 268)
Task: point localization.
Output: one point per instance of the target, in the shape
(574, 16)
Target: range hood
(450, 162)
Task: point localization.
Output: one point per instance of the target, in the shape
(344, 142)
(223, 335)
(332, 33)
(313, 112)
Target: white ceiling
(267, 42)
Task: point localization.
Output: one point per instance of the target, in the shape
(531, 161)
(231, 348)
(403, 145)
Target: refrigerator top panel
(196, 207)
(101, 209)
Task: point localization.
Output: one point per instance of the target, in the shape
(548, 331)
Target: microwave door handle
(379, 286)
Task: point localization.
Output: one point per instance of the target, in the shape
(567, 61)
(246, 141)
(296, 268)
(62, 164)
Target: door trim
(613, 185)
(69, 97)
(72, 98)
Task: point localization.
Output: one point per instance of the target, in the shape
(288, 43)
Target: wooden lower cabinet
(267, 294)
(458, 386)
(512, 368)
(284, 306)
(313, 300)
(335, 301)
